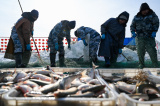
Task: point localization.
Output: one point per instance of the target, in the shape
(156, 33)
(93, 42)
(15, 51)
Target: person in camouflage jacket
(55, 40)
(94, 40)
(144, 27)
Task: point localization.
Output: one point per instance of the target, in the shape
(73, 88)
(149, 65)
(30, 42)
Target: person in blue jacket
(113, 34)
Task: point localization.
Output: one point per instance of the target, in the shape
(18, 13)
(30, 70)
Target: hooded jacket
(115, 29)
(145, 25)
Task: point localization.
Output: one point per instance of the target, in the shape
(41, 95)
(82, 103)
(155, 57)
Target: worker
(113, 34)
(94, 41)
(19, 44)
(144, 27)
(55, 40)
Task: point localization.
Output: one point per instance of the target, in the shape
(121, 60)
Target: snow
(75, 52)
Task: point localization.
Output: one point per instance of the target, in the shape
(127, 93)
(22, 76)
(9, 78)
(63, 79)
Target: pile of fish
(144, 86)
(47, 83)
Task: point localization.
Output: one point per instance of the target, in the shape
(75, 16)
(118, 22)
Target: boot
(53, 59)
(18, 59)
(107, 62)
(25, 58)
(61, 60)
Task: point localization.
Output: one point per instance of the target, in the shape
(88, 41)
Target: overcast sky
(89, 13)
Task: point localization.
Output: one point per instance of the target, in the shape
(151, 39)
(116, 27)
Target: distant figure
(19, 44)
(113, 34)
(144, 27)
(55, 40)
(95, 39)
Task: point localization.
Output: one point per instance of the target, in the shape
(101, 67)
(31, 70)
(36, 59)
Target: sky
(88, 13)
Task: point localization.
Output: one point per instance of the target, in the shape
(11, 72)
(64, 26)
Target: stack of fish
(143, 86)
(47, 83)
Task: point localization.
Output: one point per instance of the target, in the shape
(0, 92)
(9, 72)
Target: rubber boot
(53, 59)
(107, 62)
(61, 60)
(25, 58)
(18, 59)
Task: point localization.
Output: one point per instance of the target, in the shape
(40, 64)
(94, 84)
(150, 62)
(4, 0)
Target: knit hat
(144, 6)
(123, 17)
(72, 24)
(35, 13)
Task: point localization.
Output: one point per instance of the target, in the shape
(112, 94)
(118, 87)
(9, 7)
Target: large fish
(40, 82)
(41, 77)
(19, 76)
(76, 82)
(4, 74)
(92, 72)
(85, 95)
(50, 88)
(64, 93)
(65, 83)
(95, 89)
(30, 83)
(24, 88)
(85, 78)
(153, 78)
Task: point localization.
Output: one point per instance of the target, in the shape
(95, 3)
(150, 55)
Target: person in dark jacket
(144, 27)
(55, 40)
(20, 38)
(113, 34)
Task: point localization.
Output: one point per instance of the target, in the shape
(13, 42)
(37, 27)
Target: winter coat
(117, 32)
(24, 28)
(145, 25)
(59, 31)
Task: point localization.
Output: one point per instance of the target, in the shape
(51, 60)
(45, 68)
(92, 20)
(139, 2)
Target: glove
(134, 34)
(120, 51)
(103, 36)
(153, 35)
(56, 46)
(69, 46)
(84, 42)
(28, 47)
(32, 33)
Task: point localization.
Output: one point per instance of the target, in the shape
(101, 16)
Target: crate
(124, 99)
(10, 98)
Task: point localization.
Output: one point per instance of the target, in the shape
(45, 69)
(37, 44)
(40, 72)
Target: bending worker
(19, 43)
(144, 27)
(55, 40)
(113, 34)
(95, 39)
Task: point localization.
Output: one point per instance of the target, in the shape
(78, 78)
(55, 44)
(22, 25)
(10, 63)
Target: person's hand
(28, 47)
(69, 46)
(32, 33)
(84, 42)
(153, 35)
(120, 51)
(134, 34)
(56, 46)
(103, 36)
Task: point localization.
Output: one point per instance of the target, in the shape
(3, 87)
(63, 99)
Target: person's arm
(55, 32)
(121, 39)
(104, 26)
(133, 25)
(155, 23)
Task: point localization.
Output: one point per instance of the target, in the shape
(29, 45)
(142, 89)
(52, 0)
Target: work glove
(84, 42)
(69, 46)
(103, 36)
(32, 33)
(153, 35)
(120, 51)
(56, 46)
(28, 47)
(133, 34)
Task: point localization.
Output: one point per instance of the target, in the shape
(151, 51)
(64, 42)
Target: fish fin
(83, 73)
(94, 66)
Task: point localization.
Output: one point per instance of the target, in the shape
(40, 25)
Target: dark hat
(35, 13)
(72, 24)
(144, 6)
(75, 33)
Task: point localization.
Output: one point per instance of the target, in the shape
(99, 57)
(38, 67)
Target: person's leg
(150, 48)
(107, 61)
(61, 54)
(53, 56)
(140, 43)
(25, 58)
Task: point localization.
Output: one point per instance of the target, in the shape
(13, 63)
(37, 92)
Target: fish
(40, 82)
(43, 72)
(41, 77)
(92, 71)
(94, 89)
(65, 83)
(64, 93)
(85, 95)
(85, 78)
(94, 82)
(24, 88)
(83, 86)
(76, 82)
(30, 83)
(25, 78)
(19, 76)
(148, 89)
(152, 78)
(50, 88)
(4, 74)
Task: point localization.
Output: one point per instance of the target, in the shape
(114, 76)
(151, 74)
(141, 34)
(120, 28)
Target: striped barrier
(41, 43)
